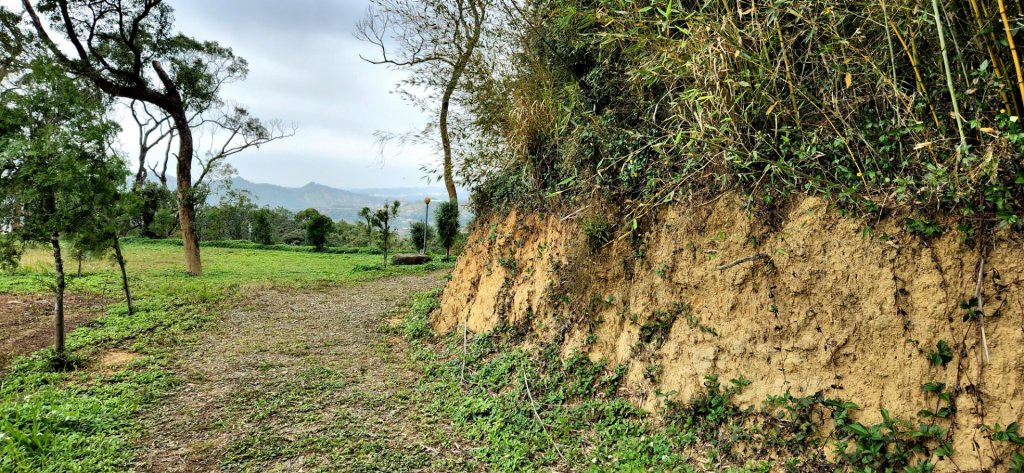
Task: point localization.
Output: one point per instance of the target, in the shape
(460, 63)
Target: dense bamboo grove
(878, 104)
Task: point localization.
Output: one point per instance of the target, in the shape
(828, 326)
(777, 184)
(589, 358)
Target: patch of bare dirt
(26, 320)
(114, 359)
(303, 380)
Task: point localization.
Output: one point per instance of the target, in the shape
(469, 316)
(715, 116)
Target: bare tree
(229, 130)
(233, 131)
(128, 49)
(434, 38)
(153, 128)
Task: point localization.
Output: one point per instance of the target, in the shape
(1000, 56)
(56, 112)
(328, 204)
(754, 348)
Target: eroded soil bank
(817, 303)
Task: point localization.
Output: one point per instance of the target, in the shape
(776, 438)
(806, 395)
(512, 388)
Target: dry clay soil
(302, 380)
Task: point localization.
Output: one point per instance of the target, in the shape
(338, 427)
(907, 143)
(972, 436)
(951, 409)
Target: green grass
(84, 420)
(159, 264)
(537, 410)
(580, 422)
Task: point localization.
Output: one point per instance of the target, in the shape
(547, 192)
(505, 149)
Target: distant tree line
(236, 216)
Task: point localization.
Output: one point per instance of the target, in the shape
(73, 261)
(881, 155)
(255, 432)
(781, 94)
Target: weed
(942, 354)
(510, 264)
(534, 410)
(1010, 436)
(654, 332)
(653, 372)
(924, 228)
(598, 231)
(945, 408)
(693, 323)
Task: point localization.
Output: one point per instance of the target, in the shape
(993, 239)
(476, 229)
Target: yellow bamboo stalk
(917, 72)
(1013, 47)
(988, 47)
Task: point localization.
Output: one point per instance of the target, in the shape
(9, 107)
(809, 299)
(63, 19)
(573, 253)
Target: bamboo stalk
(1013, 47)
(917, 72)
(892, 50)
(956, 44)
(978, 18)
(949, 76)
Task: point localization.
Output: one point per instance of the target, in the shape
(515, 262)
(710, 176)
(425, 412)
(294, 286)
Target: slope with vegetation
(821, 198)
(896, 349)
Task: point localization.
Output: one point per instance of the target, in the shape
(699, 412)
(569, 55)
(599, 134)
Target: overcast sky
(305, 70)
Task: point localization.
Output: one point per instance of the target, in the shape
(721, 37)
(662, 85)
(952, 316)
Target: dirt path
(301, 381)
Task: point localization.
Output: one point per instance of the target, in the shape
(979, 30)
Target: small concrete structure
(409, 259)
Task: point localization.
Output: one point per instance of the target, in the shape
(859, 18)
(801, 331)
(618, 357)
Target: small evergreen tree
(447, 218)
(416, 231)
(367, 215)
(55, 165)
(382, 219)
(262, 230)
(155, 213)
(317, 228)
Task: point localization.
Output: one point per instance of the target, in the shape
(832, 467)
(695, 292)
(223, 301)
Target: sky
(305, 71)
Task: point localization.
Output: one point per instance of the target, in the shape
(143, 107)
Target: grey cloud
(305, 69)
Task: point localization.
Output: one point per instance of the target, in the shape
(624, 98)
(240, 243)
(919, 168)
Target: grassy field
(156, 263)
(86, 419)
(282, 360)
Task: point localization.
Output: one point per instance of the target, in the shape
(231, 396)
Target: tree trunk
(386, 235)
(16, 220)
(140, 175)
(58, 306)
(186, 201)
(446, 142)
(453, 83)
(124, 275)
(80, 256)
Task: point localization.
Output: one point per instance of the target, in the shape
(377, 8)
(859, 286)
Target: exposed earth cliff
(819, 303)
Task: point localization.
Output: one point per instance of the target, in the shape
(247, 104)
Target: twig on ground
(745, 259)
(465, 349)
(533, 405)
(574, 214)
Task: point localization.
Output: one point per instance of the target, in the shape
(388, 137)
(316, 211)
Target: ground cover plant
(537, 410)
(85, 418)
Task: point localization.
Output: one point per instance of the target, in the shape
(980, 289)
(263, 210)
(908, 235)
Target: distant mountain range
(342, 204)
